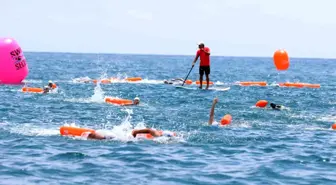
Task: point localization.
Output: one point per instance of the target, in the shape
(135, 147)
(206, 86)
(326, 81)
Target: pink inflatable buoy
(13, 65)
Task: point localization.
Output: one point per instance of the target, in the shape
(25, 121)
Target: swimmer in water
(155, 133)
(276, 107)
(173, 81)
(212, 112)
(136, 101)
(224, 121)
(50, 84)
(46, 89)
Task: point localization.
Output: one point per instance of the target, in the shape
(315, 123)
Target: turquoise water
(261, 146)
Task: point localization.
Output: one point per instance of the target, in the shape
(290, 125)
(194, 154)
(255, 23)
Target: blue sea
(260, 146)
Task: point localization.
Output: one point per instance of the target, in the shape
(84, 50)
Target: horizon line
(157, 54)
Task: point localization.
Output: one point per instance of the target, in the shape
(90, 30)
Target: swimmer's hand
(134, 133)
(215, 100)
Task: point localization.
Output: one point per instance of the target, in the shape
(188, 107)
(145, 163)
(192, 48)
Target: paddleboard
(210, 89)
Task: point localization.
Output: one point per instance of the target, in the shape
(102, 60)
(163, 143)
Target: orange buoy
(74, 131)
(188, 82)
(253, 83)
(133, 79)
(118, 101)
(226, 119)
(281, 59)
(261, 103)
(204, 83)
(333, 126)
(32, 89)
(54, 86)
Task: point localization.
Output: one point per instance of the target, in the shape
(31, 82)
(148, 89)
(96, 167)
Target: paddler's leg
(201, 73)
(207, 73)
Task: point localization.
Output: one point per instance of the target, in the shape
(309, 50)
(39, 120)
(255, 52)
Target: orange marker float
(74, 131)
(299, 85)
(226, 119)
(281, 59)
(32, 90)
(253, 83)
(54, 86)
(133, 79)
(118, 101)
(261, 103)
(204, 83)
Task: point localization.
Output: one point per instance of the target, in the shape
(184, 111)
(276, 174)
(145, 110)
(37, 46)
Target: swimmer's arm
(145, 131)
(212, 111)
(95, 136)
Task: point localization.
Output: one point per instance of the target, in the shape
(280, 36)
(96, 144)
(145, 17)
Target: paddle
(188, 75)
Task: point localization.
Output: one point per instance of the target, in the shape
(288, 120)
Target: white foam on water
(30, 129)
(98, 96)
(327, 118)
(81, 79)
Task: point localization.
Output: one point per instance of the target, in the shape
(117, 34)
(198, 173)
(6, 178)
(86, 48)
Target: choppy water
(295, 146)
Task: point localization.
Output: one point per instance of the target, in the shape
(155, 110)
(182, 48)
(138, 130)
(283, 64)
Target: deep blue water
(261, 146)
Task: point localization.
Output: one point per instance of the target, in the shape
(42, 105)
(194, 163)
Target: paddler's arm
(196, 57)
(212, 111)
(146, 131)
(206, 50)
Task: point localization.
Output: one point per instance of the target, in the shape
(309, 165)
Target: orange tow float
(32, 90)
(133, 79)
(74, 131)
(253, 83)
(261, 103)
(204, 83)
(333, 126)
(226, 119)
(299, 85)
(117, 101)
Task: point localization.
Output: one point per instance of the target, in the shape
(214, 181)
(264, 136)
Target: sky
(305, 28)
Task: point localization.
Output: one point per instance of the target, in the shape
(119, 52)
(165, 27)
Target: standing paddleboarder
(204, 54)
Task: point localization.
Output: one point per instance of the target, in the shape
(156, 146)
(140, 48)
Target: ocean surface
(260, 146)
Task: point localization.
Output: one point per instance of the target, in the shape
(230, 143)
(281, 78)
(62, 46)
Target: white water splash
(98, 95)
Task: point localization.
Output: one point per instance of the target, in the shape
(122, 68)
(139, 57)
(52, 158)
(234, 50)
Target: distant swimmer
(52, 85)
(204, 54)
(100, 135)
(174, 81)
(122, 102)
(136, 101)
(224, 121)
(276, 107)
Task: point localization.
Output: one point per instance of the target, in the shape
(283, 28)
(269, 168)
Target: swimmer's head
(136, 101)
(273, 105)
(50, 83)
